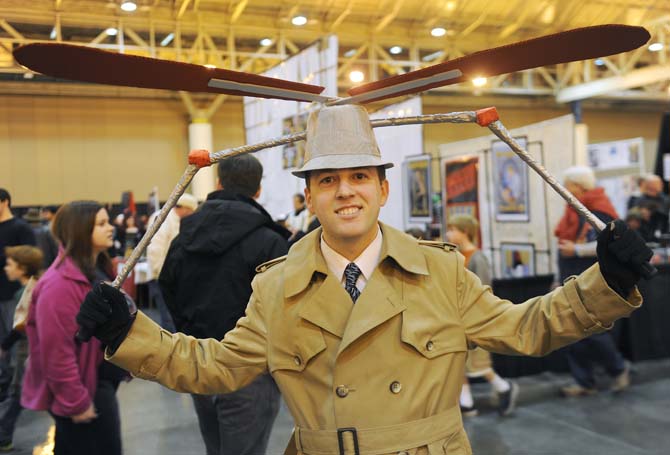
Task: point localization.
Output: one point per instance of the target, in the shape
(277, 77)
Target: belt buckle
(340, 439)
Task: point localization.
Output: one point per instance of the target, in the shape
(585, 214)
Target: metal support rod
(499, 130)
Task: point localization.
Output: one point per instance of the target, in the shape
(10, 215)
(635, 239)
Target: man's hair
(381, 172)
(28, 257)
(5, 196)
(241, 174)
(466, 224)
(300, 197)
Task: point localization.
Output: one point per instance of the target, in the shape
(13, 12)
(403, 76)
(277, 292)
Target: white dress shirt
(367, 261)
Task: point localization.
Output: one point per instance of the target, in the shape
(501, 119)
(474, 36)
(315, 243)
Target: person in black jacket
(206, 283)
(13, 231)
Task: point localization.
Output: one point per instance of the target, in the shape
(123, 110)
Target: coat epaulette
(272, 262)
(446, 246)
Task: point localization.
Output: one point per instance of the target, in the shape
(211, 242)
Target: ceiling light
(599, 62)
(350, 53)
(356, 76)
(266, 42)
(438, 31)
(167, 40)
(52, 35)
(655, 47)
(128, 6)
(209, 65)
(111, 31)
(479, 81)
(395, 50)
(451, 5)
(299, 20)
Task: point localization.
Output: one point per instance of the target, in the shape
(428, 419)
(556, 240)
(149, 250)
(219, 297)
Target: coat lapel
(382, 297)
(324, 301)
(326, 304)
(378, 303)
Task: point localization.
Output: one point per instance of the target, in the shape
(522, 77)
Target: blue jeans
(6, 321)
(599, 348)
(239, 423)
(156, 295)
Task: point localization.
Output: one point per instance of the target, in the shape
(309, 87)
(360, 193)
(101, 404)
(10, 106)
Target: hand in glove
(623, 257)
(105, 315)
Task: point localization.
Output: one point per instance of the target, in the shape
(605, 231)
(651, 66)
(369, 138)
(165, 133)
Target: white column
(200, 137)
(581, 144)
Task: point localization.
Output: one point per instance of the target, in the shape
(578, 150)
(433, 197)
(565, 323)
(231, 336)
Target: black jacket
(206, 277)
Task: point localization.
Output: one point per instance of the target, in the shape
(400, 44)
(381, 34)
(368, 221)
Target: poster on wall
(617, 154)
(293, 154)
(461, 187)
(417, 188)
(510, 182)
(518, 260)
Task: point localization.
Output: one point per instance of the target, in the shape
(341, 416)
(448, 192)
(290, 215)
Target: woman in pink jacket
(67, 378)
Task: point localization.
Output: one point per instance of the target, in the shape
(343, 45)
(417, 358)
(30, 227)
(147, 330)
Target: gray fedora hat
(340, 137)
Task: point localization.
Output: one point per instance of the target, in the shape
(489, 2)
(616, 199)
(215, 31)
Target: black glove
(623, 257)
(105, 315)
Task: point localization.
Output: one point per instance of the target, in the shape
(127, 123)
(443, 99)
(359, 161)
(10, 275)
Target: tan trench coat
(391, 366)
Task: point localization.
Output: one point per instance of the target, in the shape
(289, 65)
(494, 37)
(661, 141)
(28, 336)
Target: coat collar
(305, 258)
(67, 268)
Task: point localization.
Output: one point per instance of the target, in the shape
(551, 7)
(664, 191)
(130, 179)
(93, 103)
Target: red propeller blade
(88, 64)
(572, 45)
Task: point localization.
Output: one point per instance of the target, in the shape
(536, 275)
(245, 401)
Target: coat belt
(380, 440)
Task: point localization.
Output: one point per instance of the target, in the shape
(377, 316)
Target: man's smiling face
(347, 203)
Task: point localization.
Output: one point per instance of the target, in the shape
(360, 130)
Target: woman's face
(13, 270)
(103, 232)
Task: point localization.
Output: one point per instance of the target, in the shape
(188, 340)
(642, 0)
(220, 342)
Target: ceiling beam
(635, 78)
(237, 12)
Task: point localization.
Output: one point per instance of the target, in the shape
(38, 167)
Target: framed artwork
(517, 260)
(418, 189)
(461, 188)
(293, 154)
(510, 182)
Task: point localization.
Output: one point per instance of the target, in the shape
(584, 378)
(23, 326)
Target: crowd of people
(282, 275)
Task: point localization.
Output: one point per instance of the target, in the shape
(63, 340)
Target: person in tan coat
(365, 329)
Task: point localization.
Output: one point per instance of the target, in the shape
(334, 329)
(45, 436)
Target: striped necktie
(351, 274)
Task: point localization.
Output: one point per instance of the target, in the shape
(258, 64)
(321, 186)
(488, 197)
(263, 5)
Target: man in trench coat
(370, 357)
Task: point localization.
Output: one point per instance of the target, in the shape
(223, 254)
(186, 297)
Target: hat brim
(340, 161)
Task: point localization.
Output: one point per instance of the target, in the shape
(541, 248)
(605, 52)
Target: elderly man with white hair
(577, 241)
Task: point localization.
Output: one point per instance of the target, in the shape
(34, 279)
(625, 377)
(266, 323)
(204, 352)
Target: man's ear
(258, 193)
(308, 200)
(218, 184)
(385, 192)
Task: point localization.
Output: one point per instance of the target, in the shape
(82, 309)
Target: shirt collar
(367, 261)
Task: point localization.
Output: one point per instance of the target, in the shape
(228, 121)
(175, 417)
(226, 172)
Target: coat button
(297, 360)
(342, 391)
(395, 387)
(430, 346)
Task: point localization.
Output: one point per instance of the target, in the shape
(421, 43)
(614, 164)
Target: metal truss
(227, 34)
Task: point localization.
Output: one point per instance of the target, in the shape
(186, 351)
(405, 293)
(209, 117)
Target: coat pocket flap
(432, 337)
(294, 353)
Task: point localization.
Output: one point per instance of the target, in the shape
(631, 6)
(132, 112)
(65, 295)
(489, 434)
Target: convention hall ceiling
(228, 33)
